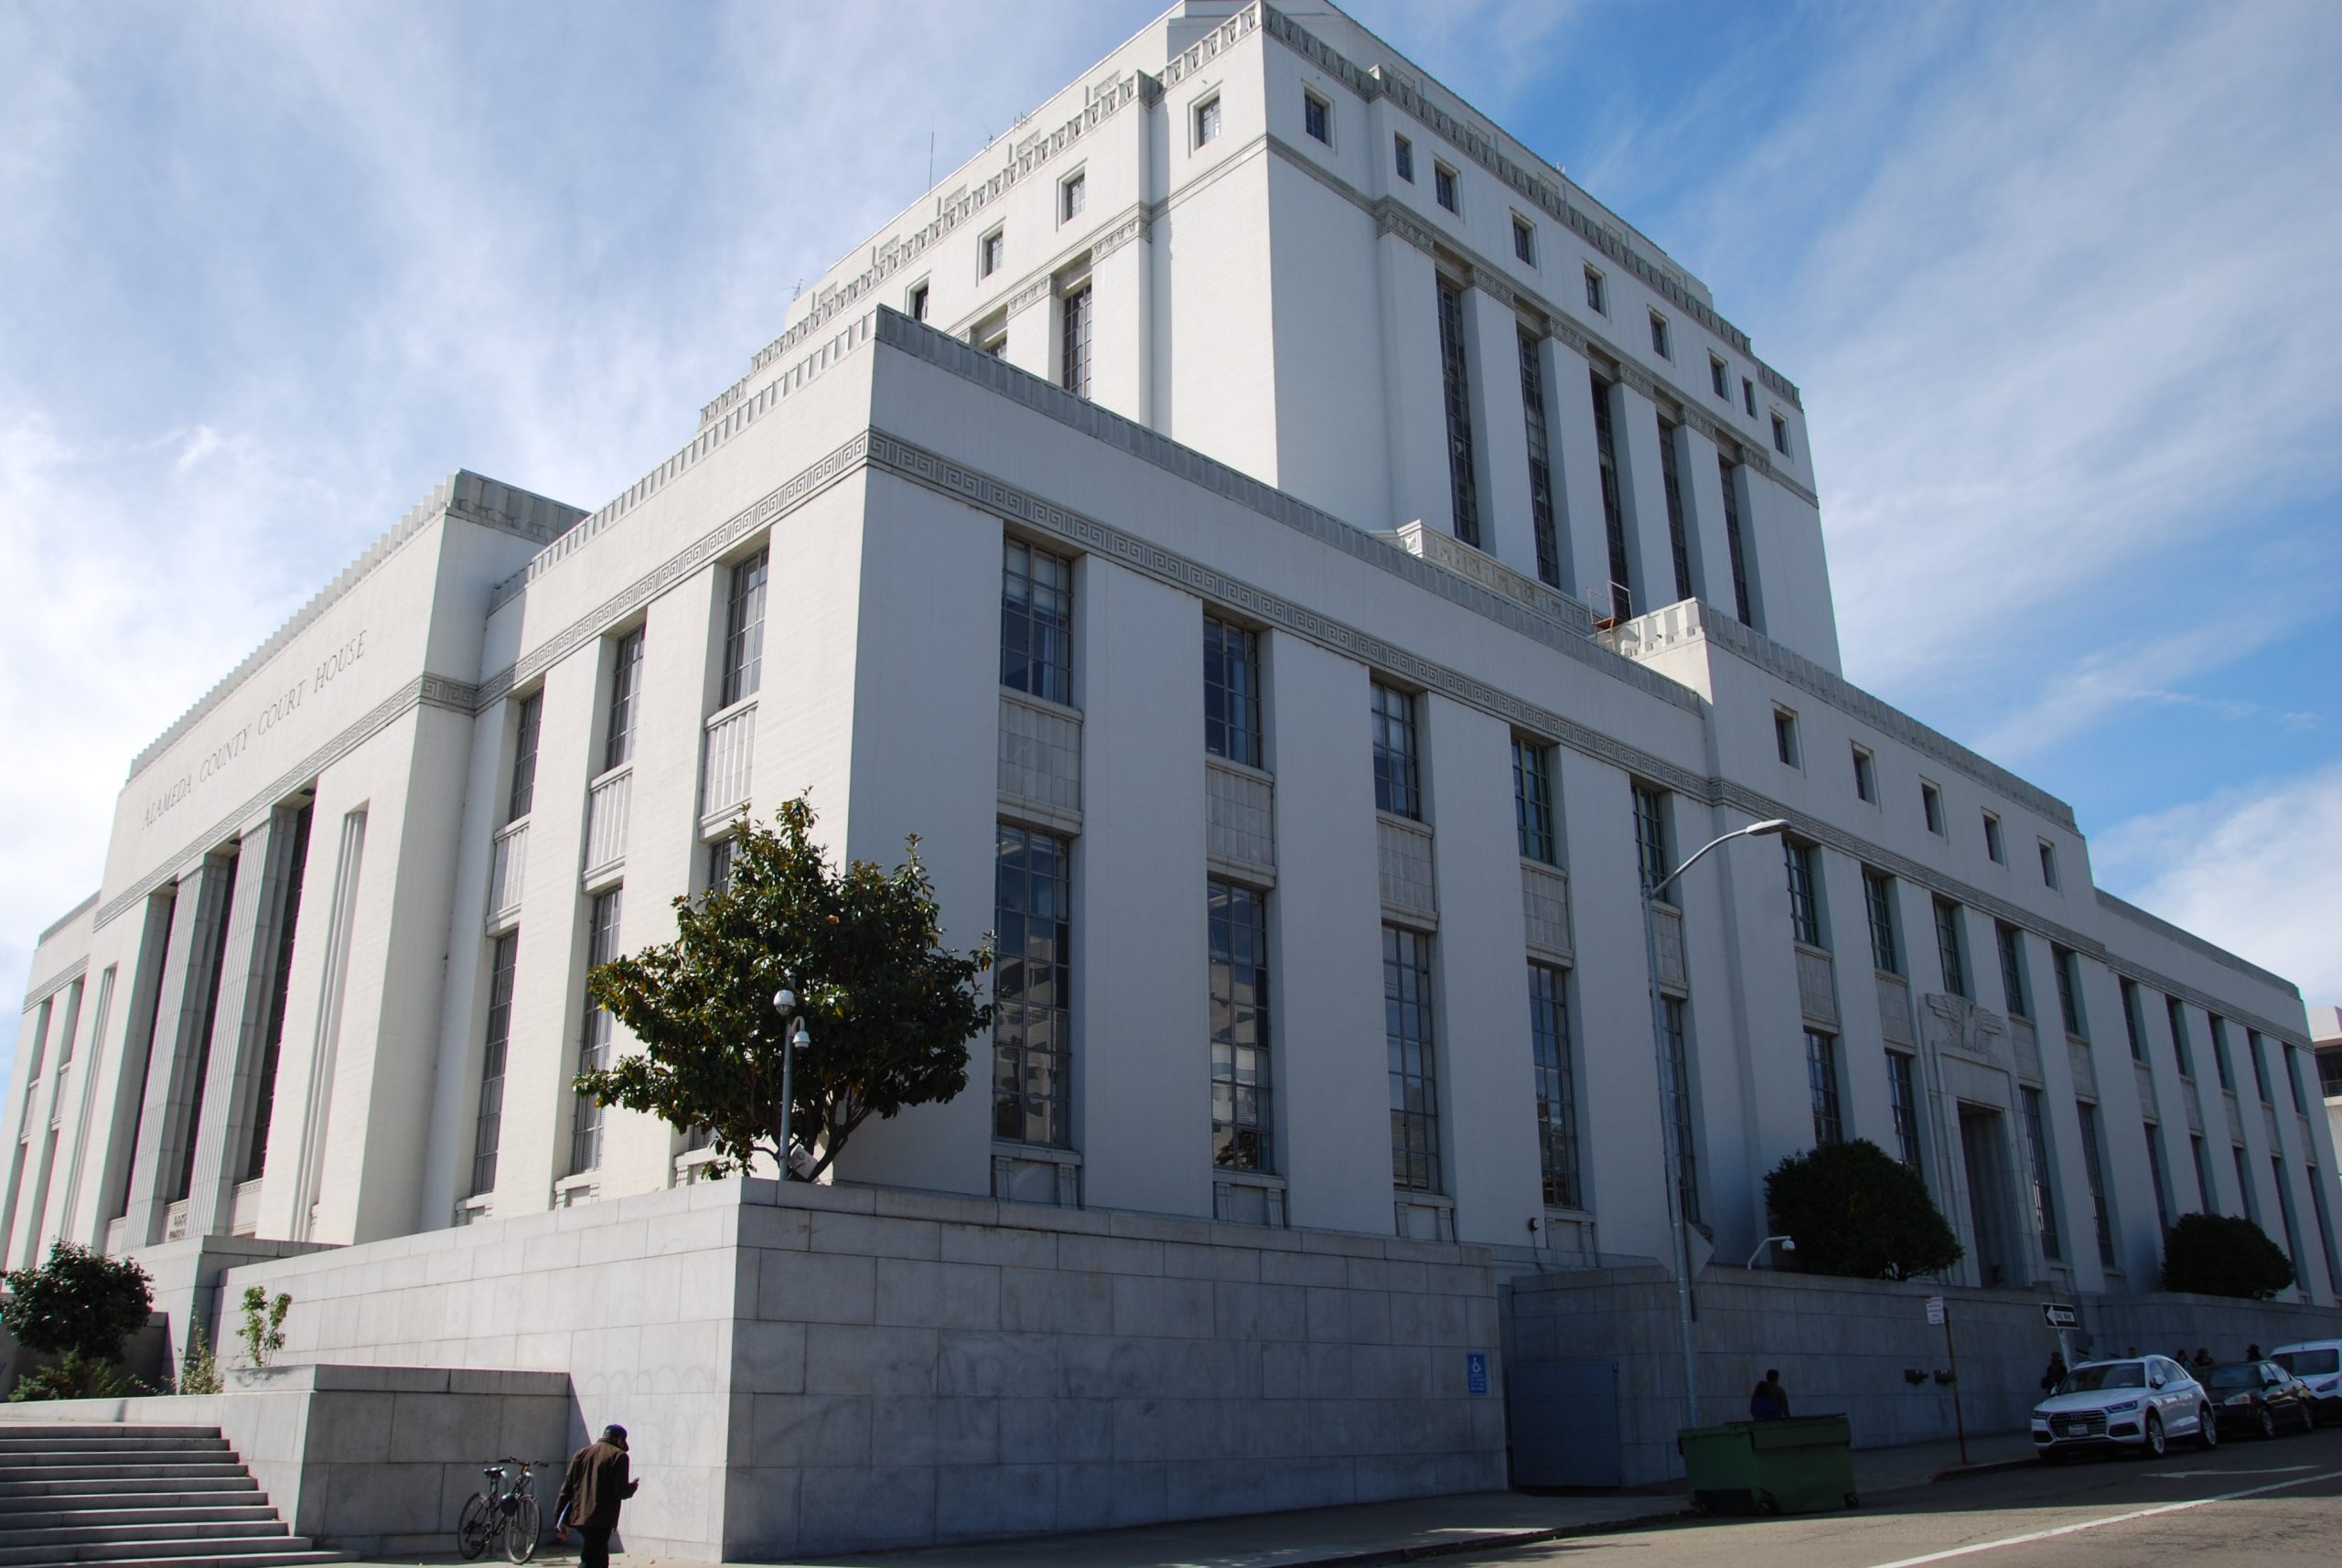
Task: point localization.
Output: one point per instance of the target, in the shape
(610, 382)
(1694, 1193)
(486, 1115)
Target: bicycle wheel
(478, 1517)
(520, 1530)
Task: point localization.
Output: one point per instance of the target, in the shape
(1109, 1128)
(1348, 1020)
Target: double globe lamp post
(793, 1030)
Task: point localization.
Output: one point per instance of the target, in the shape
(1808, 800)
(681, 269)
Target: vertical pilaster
(239, 1021)
(1414, 432)
(1499, 440)
(182, 1021)
(1702, 475)
(1123, 326)
(1634, 427)
(1577, 482)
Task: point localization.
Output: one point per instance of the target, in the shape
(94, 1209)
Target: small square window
(2048, 863)
(1993, 845)
(991, 251)
(1317, 118)
(1866, 777)
(1785, 736)
(1931, 807)
(1208, 120)
(1073, 195)
(1780, 436)
(919, 302)
(1524, 240)
(1749, 395)
(1403, 153)
(1719, 378)
(1594, 292)
(1659, 336)
(1443, 185)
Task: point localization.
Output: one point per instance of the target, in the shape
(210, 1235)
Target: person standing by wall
(592, 1490)
(1773, 1392)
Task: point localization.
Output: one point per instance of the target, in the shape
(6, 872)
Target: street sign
(1934, 1309)
(2057, 1317)
(1476, 1372)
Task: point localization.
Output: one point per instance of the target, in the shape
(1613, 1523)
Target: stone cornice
(2123, 909)
(67, 919)
(424, 691)
(44, 989)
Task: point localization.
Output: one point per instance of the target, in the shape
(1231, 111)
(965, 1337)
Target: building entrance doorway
(1984, 1146)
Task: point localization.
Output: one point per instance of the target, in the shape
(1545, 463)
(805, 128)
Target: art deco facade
(1298, 561)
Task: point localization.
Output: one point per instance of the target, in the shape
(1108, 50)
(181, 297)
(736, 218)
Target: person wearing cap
(592, 1491)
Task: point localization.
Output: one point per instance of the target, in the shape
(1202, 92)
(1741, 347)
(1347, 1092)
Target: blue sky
(2059, 284)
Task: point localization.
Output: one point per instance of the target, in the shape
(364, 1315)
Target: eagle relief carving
(1955, 1023)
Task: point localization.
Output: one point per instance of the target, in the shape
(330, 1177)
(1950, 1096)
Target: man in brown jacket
(592, 1492)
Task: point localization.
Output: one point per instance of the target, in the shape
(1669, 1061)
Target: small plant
(264, 1329)
(74, 1376)
(198, 1367)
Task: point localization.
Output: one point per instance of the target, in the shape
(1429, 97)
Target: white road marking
(2277, 1470)
(2110, 1519)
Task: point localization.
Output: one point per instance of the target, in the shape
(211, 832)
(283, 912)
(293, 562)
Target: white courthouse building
(1298, 561)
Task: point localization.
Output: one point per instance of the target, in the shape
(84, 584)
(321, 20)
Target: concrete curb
(1986, 1467)
(1491, 1541)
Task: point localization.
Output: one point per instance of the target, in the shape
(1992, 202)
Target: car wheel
(2156, 1447)
(2207, 1431)
(2267, 1422)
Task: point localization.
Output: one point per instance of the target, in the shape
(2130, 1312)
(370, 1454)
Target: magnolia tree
(889, 1009)
(1857, 1211)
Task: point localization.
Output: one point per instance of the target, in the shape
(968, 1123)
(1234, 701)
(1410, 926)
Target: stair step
(174, 1470)
(13, 1431)
(73, 1534)
(94, 1451)
(153, 1507)
(17, 1495)
(279, 1551)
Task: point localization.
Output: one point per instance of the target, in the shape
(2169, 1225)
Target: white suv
(2318, 1363)
(2139, 1405)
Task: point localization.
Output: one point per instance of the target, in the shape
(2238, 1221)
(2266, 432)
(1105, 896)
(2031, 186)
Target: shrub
(264, 1329)
(75, 1376)
(198, 1367)
(1856, 1211)
(79, 1301)
(2223, 1254)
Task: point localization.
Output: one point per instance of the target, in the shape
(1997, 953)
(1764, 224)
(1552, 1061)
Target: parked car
(2135, 1405)
(2318, 1363)
(2258, 1399)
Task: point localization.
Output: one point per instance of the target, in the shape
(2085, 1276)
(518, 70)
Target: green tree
(264, 1329)
(1854, 1210)
(2223, 1254)
(890, 1010)
(79, 1306)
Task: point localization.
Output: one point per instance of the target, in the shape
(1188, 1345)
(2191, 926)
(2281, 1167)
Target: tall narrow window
(720, 857)
(2319, 1206)
(2244, 1184)
(201, 1073)
(2176, 1011)
(1821, 1077)
(626, 690)
(2206, 1199)
(1949, 950)
(2091, 1169)
(271, 1053)
(1073, 195)
(1532, 799)
(1461, 484)
(524, 796)
(1735, 547)
(1866, 777)
(1932, 808)
(1395, 777)
(1675, 1047)
(2043, 1176)
(1993, 850)
(1903, 1098)
(2011, 941)
(919, 303)
(1551, 1051)
(488, 1130)
(1780, 436)
(1414, 1064)
(1594, 292)
(2069, 991)
(744, 629)
(1658, 338)
(1036, 623)
(1317, 118)
(1540, 460)
(991, 251)
(1524, 242)
(1785, 740)
(2048, 863)
(1032, 1029)
(594, 1047)
(2154, 1174)
(1208, 120)
(1613, 513)
(1073, 366)
(1805, 908)
(1231, 692)
(2134, 1024)
(1402, 154)
(1241, 1127)
(1878, 901)
(2276, 1175)
(1653, 861)
(1443, 187)
(1748, 396)
(2220, 1063)
(2252, 1048)
(1678, 545)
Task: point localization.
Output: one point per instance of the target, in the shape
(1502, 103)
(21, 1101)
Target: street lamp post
(1677, 1222)
(795, 1038)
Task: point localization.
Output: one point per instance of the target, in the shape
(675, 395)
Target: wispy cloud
(2248, 869)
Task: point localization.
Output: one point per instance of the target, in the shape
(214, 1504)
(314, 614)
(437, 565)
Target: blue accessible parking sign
(1475, 1372)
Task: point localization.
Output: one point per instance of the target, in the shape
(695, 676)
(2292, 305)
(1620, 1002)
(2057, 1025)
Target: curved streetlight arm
(1754, 829)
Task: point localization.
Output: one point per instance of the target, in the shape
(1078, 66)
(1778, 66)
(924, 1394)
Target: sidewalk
(1356, 1536)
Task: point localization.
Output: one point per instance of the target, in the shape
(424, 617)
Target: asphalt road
(2276, 1503)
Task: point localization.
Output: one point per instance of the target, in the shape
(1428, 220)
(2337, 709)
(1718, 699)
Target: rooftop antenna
(797, 292)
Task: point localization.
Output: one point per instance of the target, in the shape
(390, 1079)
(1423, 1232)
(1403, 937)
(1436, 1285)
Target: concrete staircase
(117, 1496)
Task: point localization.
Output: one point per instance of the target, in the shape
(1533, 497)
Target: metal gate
(1563, 1419)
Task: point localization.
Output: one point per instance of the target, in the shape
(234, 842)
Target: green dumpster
(1798, 1464)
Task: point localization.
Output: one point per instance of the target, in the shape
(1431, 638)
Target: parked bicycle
(502, 1512)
